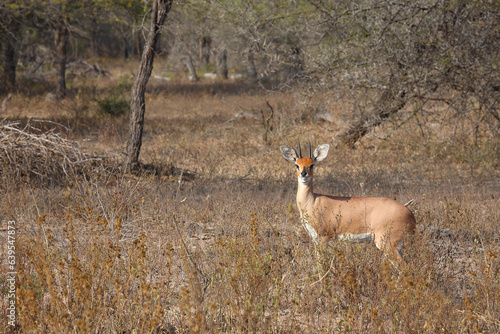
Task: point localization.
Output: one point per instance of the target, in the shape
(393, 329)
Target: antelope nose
(304, 173)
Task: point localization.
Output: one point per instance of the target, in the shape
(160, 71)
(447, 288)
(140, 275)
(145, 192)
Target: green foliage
(113, 106)
(114, 103)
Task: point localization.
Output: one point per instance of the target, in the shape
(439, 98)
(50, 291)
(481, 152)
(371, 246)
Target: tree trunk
(127, 47)
(9, 53)
(205, 46)
(137, 104)
(9, 65)
(95, 40)
(60, 41)
(192, 70)
(139, 48)
(296, 59)
(388, 104)
(251, 69)
(222, 64)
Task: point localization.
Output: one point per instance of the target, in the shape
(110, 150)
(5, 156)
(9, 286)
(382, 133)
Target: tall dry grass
(103, 252)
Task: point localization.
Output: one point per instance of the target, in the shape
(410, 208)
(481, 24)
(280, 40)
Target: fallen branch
(30, 151)
(388, 105)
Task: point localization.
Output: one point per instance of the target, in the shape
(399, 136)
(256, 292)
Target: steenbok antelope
(348, 218)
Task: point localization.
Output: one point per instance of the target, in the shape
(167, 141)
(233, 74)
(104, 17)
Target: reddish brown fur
(330, 216)
(304, 162)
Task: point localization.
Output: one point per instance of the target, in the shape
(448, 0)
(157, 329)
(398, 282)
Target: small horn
(310, 152)
(300, 151)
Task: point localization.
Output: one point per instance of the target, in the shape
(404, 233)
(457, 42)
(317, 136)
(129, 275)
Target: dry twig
(30, 151)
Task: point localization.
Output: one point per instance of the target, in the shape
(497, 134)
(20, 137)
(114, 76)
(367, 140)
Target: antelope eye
(297, 167)
(311, 167)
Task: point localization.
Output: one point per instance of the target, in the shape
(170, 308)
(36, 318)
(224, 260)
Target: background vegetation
(206, 237)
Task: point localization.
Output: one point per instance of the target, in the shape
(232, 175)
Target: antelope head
(305, 165)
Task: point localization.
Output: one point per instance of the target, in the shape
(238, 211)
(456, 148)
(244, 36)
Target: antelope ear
(288, 153)
(321, 152)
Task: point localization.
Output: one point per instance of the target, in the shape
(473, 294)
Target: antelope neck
(305, 197)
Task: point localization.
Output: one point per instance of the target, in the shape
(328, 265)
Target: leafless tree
(384, 56)
(159, 13)
(221, 64)
(60, 55)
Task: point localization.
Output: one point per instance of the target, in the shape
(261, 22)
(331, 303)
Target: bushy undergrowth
(224, 252)
(113, 106)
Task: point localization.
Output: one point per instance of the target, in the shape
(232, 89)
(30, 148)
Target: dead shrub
(33, 154)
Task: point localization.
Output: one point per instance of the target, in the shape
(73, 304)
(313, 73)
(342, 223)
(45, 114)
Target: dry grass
(107, 253)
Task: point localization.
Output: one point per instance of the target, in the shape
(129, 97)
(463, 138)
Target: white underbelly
(356, 237)
(363, 237)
